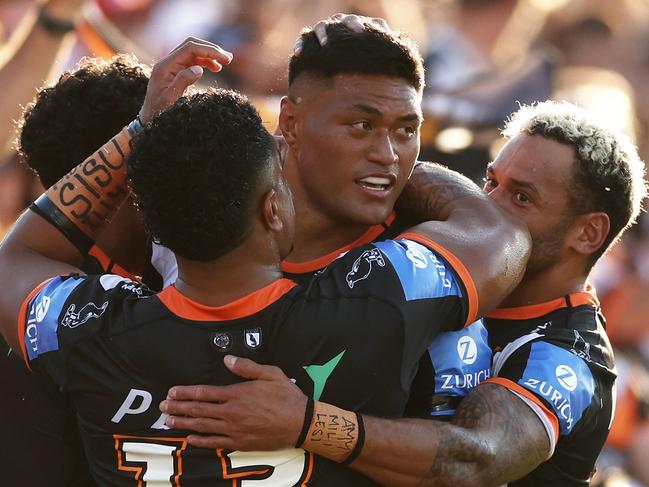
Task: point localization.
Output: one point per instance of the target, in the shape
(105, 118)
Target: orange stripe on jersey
(587, 297)
(184, 307)
(458, 267)
(22, 319)
(119, 440)
(513, 386)
(234, 476)
(104, 261)
(108, 264)
(316, 264)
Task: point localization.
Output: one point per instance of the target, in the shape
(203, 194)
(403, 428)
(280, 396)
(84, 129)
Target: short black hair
(70, 120)
(195, 172)
(372, 51)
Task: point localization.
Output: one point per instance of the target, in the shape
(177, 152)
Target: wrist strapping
(87, 197)
(332, 432)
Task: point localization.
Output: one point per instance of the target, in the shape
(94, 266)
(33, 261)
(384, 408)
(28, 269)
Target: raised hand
(178, 70)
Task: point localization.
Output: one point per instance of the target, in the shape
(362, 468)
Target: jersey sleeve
(63, 310)
(557, 384)
(417, 282)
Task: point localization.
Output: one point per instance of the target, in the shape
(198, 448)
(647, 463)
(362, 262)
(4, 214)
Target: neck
(545, 286)
(316, 233)
(124, 234)
(238, 273)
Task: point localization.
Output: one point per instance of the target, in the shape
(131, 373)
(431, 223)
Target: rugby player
(578, 185)
(92, 335)
(66, 123)
(351, 121)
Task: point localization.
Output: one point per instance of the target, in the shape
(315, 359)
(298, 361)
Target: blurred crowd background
(483, 58)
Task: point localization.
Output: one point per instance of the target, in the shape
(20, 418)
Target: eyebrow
(517, 182)
(376, 112)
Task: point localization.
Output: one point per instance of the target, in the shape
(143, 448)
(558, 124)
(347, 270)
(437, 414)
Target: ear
(270, 210)
(591, 230)
(288, 120)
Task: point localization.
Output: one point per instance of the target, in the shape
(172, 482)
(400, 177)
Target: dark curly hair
(373, 51)
(195, 172)
(70, 120)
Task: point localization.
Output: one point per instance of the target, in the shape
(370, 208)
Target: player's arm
(460, 218)
(493, 438)
(50, 238)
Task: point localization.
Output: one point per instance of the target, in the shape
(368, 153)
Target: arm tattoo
(493, 438)
(431, 191)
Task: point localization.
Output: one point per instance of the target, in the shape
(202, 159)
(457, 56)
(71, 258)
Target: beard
(547, 248)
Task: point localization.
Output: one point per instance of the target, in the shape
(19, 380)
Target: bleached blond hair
(608, 175)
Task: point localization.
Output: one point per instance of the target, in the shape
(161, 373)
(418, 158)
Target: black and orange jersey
(40, 422)
(352, 337)
(454, 363)
(557, 358)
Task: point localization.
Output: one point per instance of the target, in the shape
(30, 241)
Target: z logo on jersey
(362, 266)
(72, 319)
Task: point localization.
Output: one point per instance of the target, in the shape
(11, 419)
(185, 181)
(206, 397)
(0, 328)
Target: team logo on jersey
(221, 341)
(566, 377)
(74, 318)
(41, 309)
(580, 347)
(467, 350)
(417, 257)
(253, 338)
(362, 266)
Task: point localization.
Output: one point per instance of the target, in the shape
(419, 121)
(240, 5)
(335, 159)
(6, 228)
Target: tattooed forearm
(431, 191)
(494, 438)
(90, 194)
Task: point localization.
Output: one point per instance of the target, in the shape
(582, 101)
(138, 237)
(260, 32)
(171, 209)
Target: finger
(199, 425)
(249, 369)
(182, 81)
(199, 42)
(320, 31)
(195, 409)
(187, 54)
(198, 393)
(382, 23)
(297, 47)
(337, 17)
(213, 442)
(353, 23)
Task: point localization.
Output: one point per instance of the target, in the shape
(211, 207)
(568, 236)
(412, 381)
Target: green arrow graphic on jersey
(320, 374)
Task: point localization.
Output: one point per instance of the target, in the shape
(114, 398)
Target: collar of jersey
(587, 297)
(254, 302)
(316, 264)
(108, 264)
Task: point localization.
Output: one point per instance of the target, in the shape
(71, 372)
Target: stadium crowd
(482, 59)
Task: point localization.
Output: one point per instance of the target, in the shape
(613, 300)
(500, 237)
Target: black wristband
(308, 416)
(359, 442)
(52, 24)
(44, 207)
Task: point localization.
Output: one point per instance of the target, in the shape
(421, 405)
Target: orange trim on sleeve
(22, 319)
(458, 267)
(108, 264)
(254, 302)
(587, 297)
(513, 386)
(316, 264)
